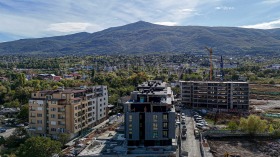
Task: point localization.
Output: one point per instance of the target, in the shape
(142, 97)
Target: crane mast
(211, 65)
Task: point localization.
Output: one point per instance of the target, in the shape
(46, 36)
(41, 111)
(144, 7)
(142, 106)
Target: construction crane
(211, 65)
(222, 69)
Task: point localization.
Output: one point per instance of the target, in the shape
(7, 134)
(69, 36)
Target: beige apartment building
(72, 111)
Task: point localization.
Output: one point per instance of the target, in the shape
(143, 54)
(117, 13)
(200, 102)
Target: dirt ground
(266, 104)
(245, 148)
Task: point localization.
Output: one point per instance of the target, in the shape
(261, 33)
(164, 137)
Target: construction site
(90, 144)
(244, 147)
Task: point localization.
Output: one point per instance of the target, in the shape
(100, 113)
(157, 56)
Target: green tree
(39, 147)
(232, 125)
(2, 140)
(24, 112)
(63, 138)
(18, 137)
(253, 124)
(271, 129)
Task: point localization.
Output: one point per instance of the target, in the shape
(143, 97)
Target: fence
(272, 115)
(229, 133)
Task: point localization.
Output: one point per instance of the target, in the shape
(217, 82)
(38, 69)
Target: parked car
(183, 114)
(183, 123)
(20, 125)
(2, 130)
(184, 136)
(199, 125)
(196, 133)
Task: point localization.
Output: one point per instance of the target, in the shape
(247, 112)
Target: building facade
(70, 111)
(150, 115)
(231, 96)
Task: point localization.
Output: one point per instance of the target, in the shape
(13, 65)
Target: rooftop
(214, 82)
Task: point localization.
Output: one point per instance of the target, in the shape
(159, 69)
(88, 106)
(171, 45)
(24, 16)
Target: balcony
(62, 124)
(61, 110)
(61, 117)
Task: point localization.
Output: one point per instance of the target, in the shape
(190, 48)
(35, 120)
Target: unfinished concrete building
(230, 96)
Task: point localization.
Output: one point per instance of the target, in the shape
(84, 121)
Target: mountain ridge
(145, 37)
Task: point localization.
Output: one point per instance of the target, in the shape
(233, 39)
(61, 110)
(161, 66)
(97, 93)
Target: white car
(199, 125)
(183, 114)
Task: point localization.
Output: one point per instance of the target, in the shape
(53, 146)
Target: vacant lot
(245, 148)
(264, 92)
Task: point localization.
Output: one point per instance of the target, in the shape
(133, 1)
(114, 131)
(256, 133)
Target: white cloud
(41, 18)
(69, 27)
(224, 8)
(265, 25)
(167, 23)
(271, 1)
(187, 10)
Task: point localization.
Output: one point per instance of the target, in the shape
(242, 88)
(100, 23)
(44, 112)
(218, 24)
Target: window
(165, 117)
(52, 115)
(40, 108)
(39, 115)
(53, 109)
(165, 125)
(53, 129)
(155, 134)
(130, 126)
(100, 99)
(104, 99)
(39, 128)
(165, 134)
(53, 122)
(34, 94)
(155, 126)
(155, 118)
(39, 121)
(53, 102)
(130, 118)
(63, 95)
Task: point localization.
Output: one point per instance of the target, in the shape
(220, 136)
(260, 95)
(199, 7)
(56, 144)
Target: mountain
(144, 37)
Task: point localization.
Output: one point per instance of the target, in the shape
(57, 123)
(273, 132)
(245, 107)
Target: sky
(43, 18)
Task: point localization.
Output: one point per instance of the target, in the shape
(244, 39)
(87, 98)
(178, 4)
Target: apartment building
(150, 115)
(230, 96)
(70, 111)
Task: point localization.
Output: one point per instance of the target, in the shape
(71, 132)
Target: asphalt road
(191, 145)
(7, 133)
